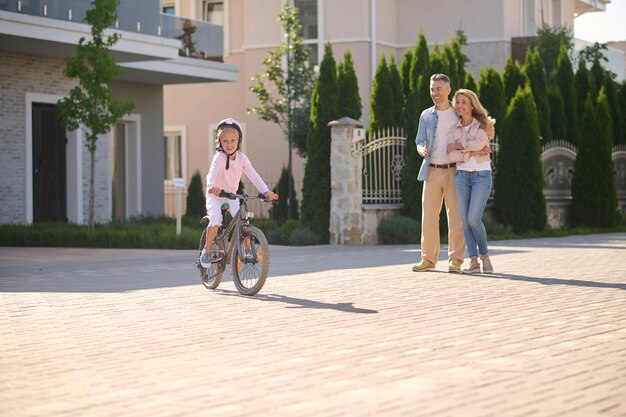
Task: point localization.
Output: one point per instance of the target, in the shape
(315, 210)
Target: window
(213, 12)
(307, 14)
(168, 7)
(530, 24)
(173, 156)
(556, 14)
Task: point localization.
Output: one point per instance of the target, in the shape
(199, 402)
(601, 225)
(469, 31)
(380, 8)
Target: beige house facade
(368, 28)
(44, 169)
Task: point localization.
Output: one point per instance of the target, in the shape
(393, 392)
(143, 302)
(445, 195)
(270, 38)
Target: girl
(226, 169)
(468, 145)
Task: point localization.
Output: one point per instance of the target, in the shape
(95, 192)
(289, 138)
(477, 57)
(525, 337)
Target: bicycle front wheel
(251, 267)
(212, 276)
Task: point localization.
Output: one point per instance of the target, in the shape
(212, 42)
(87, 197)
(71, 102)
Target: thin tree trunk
(92, 171)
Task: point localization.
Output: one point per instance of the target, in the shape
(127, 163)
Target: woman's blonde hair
(478, 111)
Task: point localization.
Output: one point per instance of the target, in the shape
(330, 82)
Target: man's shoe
(455, 265)
(425, 265)
(474, 267)
(487, 267)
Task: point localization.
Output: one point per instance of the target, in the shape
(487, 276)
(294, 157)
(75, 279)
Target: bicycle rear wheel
(212, 276)
(250, 269)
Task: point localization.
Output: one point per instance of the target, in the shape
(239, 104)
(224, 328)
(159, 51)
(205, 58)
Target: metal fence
(383, 163)
(557, 159)
(619, 164)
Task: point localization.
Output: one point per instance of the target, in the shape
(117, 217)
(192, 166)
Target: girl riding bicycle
(227, 167)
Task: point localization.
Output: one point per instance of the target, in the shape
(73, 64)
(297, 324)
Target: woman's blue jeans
(472, 192)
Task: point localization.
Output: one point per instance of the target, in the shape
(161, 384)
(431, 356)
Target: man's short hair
(440, 77)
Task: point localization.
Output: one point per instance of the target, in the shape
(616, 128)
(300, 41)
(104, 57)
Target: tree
(349, 97)
(513, 78)
(491, 92)
(470, 83)
(536, 74)
(286, 103)
(519, 198)
(564, 80)
(315, 209)
(558, 120)
(395, 83)
(584, 87)
(594, 197)
(381, 99)
(549, 44)
(91, 103)
(610, 88)
(405, 72)
(622, 105)
(278, 211)
(196, 203)
(416, 102)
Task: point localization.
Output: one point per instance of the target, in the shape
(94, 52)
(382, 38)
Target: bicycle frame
(231, 234)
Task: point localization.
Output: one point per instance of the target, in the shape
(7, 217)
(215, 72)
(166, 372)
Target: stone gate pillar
(346, 166)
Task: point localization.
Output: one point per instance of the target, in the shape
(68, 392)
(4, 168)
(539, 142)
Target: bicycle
(242, 245)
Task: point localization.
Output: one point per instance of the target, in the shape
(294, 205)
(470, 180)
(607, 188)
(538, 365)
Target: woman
(468, 145)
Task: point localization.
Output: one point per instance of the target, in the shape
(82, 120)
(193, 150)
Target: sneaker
(474, 267)
(455, 265)
(487, 267)
(425, 265)
(205, 261)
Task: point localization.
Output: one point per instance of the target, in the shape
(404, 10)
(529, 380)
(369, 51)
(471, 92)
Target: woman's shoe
(487, 267)
(474, 266)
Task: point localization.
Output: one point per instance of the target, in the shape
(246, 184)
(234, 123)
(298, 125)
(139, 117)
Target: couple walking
(453, 137)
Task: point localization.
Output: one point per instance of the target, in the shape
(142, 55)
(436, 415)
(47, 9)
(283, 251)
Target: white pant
(214, 209)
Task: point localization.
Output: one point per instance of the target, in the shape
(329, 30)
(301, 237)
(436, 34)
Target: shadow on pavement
(301, 302)
(554, 281)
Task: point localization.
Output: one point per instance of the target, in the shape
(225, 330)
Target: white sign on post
(179, 183)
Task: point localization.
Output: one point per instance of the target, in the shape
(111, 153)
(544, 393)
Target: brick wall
(21, 74)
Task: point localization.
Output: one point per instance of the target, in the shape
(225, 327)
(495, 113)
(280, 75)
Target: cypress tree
(622, 105)
(470, 83)
(594, 197)
(420, 63)
(536, 74)
(196, 204)
(395, 83)
(405, 73)
(381, 99)
(612, 98)
(437, 64)
(558, 120)
(513, 78)
(278, 211)
(582, 80)
(315, 209)
(564, 80)
(349, 97)
(519, 198)
(491, 92)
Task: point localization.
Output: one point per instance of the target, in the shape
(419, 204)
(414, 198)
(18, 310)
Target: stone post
(346, 166)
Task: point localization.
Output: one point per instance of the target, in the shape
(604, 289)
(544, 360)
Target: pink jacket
(473, 140)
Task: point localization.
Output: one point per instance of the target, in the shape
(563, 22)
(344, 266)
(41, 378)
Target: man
(437, 172)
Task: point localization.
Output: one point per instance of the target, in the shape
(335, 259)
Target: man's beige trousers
(439, 187)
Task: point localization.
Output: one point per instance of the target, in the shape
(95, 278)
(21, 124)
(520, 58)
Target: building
(44, 171)
(368, 28)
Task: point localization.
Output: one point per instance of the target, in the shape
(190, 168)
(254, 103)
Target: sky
(602, 27)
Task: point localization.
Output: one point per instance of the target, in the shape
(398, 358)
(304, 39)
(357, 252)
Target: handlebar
(234, 196)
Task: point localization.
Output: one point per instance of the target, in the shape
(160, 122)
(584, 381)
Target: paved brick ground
(337, 331)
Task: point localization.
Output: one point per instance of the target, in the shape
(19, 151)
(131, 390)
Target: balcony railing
(198, 39)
